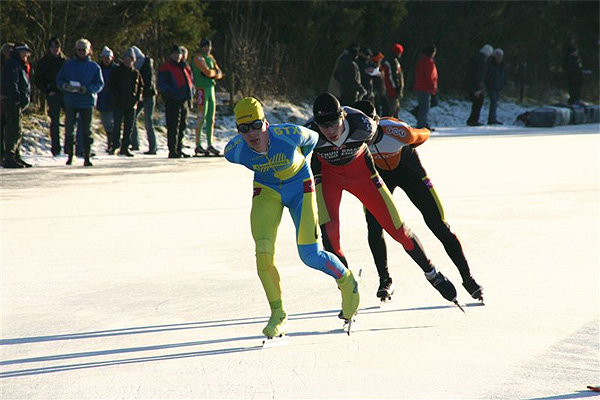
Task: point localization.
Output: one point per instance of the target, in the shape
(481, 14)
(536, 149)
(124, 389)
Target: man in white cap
(474, 82)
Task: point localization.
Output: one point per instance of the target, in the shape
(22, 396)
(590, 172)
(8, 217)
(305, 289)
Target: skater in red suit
(342, 161)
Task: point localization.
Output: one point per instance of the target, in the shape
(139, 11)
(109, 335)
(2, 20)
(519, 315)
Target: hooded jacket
(15, 80)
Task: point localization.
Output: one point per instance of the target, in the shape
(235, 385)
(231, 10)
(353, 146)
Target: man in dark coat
(175, 85)
(474, 82)
(16, 90)
(494, 83)
(125, 84)
(45, 79)
(574, 71)
(348, 75)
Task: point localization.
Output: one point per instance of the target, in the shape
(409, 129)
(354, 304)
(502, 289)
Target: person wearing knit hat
(206, 72)
(175, 84)
(393, 79)
(495, 79)
(126, 86)
(341, 161)
(145, 64)
(426, 77)
(476, 71)
(45, 80)
(105, 104)
(282, 178)
(16, 93)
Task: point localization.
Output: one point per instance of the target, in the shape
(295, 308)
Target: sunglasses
(329, 124)
(245, 128)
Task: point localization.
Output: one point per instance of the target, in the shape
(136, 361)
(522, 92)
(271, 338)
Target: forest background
(288, 49)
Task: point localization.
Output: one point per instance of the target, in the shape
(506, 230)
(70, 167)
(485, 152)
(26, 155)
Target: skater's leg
(201, 117)
(209, 114)
(265, 218)
(303, 209)
(329, 196)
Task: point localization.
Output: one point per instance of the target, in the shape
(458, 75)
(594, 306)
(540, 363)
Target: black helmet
(326, 108)
(367, 107)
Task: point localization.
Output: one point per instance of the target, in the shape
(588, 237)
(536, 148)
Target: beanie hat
(129, 53)
(487, 50)
(138, 53)
(326, 108)
(366, 107)
(499, 52)
(397, 49)
(175, 49)
(106, 52)
(205, 42)
(248, 110)
(377, 57)
(54, 42)
(22, 47)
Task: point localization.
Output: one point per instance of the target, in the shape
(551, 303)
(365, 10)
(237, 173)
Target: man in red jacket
(426, 78)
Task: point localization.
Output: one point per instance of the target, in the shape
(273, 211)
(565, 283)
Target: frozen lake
(136, 279)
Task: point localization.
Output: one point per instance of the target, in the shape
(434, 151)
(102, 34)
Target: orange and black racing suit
(399, 166)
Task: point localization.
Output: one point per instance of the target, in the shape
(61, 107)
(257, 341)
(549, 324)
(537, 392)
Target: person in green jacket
(206, 73)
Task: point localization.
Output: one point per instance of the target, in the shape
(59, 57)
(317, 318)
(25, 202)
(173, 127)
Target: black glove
(82, 89)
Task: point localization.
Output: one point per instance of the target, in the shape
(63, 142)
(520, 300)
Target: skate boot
(350, 296)
(442, 284)
(386, 289)
(277, 324)
(474, 289)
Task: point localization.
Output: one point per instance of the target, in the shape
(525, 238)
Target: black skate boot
(474, 289)
(386, 289)
(442, 284)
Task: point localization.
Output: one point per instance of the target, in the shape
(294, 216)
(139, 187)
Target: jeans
(148, 106)
(424, 99)
(476, 107)
(108, 122)
(84, 123)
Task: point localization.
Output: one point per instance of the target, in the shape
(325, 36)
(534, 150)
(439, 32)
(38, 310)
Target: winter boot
(474, 289)
(277, 324)
(200, 151)
(350, 296)
(87, 162)
(442, 284)
(212, 151)
(386, 289)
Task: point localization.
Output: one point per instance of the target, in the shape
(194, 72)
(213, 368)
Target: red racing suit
(348, 165)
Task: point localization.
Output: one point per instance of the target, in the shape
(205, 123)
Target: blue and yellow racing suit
(282, 177)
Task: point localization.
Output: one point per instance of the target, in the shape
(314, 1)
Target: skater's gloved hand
(82, 89)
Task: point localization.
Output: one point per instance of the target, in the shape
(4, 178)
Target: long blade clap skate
(444, 286)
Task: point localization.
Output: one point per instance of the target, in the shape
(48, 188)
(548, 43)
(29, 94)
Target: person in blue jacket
(80, 79)
(282, 178)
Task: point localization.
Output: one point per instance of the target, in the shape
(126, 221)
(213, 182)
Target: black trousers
(11, 127)
(176, 115)
(475, 107)
(411, 177)
(55, 104)
(123, 117)
(85, 119)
